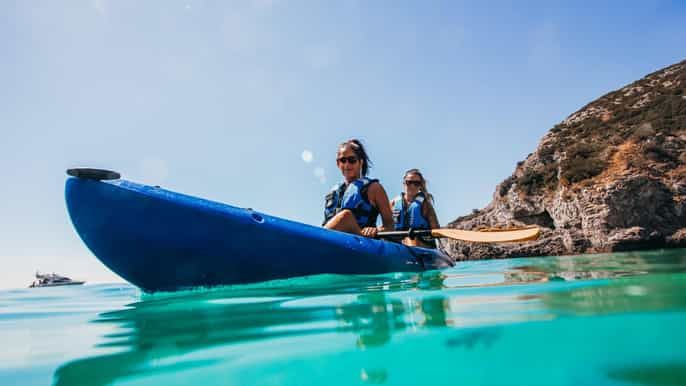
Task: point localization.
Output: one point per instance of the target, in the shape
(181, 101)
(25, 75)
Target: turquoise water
(615, 319)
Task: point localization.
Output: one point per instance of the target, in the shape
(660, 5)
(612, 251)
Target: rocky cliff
(610, 177)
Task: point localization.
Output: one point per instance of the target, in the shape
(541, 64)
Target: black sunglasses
(413, 182)
(351, 159)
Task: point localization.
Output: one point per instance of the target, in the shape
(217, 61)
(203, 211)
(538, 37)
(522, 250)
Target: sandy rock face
(610, 177)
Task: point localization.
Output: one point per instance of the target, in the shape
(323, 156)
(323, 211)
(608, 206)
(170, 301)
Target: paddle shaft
(396, 235)
(485, 236)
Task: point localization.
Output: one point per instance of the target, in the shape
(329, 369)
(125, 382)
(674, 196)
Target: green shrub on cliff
(505, 186)
(535, 181)
(579, 169)
(583, 161)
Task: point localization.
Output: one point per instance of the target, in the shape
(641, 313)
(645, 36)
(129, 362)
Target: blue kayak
(160, 240)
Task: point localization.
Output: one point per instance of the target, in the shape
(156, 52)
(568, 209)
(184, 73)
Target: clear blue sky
(220, 99)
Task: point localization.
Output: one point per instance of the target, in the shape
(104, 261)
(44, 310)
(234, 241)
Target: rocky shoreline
(610, 177)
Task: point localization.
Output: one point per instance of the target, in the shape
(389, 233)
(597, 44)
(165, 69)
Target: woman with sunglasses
(414, 207)
(354, 205)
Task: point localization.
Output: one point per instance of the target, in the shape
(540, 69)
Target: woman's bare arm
(378, 197)
(430, 214)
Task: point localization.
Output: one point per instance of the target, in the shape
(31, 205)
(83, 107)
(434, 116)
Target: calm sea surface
(615, 319)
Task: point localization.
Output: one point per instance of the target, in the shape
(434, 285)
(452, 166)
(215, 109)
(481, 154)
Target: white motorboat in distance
(53, 280)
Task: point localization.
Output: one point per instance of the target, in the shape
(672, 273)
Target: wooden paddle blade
(499, 236)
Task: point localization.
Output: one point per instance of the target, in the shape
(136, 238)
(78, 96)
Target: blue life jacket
(409, 216)
(354, 198)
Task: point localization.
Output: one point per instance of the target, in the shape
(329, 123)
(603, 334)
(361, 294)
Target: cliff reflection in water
(466, 306)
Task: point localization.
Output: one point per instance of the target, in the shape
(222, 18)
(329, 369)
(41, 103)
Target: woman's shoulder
(373, 183)
(428, 201)
(374, 187)
(369, 180)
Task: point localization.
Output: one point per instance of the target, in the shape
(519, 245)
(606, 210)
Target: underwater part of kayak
(160, 240)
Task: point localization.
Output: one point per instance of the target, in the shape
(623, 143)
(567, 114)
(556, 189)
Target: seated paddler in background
(354, 205)
(414, 209)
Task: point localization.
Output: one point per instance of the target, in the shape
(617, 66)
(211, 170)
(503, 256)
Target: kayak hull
(161, 240)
